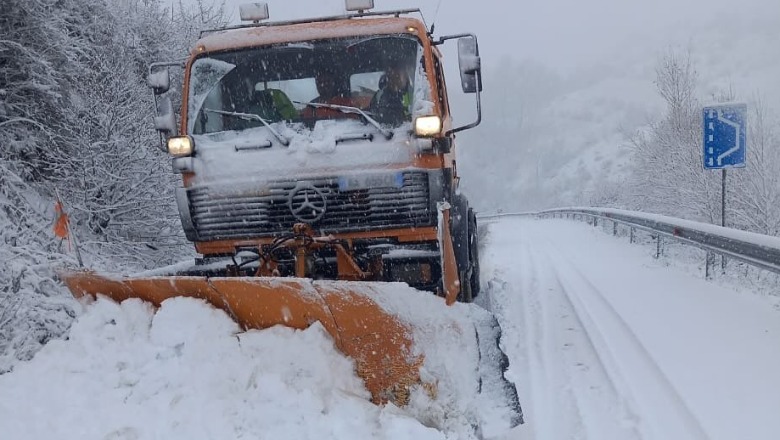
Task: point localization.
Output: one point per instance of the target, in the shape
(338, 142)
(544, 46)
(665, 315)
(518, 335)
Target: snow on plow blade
(383, 327)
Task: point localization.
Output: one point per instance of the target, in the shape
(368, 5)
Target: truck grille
(241, 211)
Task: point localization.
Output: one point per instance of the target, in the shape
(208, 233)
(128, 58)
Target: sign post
(725, 144)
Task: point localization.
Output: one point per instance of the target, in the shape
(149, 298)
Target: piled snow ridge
(188, 371)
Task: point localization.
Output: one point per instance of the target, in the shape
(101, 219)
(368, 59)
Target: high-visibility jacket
(272, 105)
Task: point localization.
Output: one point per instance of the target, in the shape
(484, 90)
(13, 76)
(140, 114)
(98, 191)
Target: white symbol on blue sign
(725, 137)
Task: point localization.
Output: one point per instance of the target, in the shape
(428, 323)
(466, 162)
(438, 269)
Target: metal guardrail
(755, 249)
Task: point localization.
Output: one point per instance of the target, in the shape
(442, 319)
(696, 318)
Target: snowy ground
(604, 343)
(182, 373)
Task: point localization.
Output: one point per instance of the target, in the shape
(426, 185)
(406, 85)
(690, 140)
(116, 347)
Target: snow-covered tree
(754, 202)
(668, 175)
(75, 118)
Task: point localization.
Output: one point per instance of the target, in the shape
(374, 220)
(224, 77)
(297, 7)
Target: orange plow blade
(380, 345)
(409, 348)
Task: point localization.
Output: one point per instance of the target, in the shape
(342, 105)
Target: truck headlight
(426, 126)
(180, 146)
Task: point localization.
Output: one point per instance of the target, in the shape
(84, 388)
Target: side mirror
(470, 65)
(165, 121)
(159, 80)
(470, 72)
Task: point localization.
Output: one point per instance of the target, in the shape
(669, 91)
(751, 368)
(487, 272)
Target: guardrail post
(707, 264)
(631, 236)
(614, 228)
(595, 221)
(658, 240)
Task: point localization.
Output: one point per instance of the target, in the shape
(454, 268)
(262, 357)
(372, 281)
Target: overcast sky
(559, 33)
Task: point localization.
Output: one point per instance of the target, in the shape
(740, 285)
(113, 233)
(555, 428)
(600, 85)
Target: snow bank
(448, 337)
(189, 372)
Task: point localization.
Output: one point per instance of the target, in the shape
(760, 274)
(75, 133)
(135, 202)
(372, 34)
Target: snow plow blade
(381, 341)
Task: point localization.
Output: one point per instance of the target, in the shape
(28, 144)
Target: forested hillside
(75, 122)
(611, 134)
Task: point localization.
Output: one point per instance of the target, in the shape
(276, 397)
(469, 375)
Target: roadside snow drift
(186, 370)
(189, 372)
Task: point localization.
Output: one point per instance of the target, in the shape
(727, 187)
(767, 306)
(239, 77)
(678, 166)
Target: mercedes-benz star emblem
(307, 203)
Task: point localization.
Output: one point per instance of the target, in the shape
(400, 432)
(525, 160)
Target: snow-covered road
(605, 343)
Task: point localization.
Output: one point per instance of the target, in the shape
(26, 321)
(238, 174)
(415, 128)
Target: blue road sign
(725, 128)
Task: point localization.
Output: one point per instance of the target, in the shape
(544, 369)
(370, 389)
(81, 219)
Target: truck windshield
(375, 74)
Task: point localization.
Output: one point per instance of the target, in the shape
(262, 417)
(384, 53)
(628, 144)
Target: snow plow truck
(319, 185)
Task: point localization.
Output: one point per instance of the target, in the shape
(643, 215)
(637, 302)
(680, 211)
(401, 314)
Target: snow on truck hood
(238, 155)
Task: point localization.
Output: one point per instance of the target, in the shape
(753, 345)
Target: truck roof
(261, 35)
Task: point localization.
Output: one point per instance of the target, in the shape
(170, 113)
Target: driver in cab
(392, 102)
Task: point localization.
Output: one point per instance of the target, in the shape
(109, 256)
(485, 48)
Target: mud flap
(498, 396)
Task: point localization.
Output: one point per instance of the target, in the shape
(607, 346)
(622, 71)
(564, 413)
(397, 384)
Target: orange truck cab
(323, 148)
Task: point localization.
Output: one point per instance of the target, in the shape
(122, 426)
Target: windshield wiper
(252, 116)
(388, 134)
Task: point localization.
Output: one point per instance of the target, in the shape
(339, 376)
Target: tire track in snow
(627, 362)
(506, 301)
(565, 391)
(559, 417)
(511, 289)
(603, 410)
